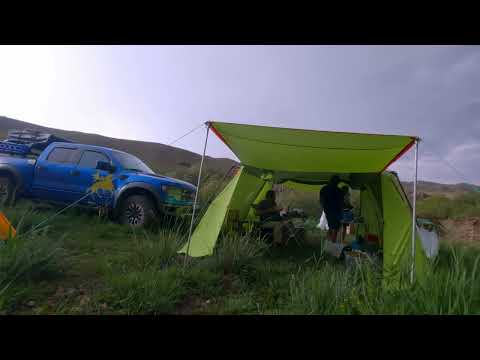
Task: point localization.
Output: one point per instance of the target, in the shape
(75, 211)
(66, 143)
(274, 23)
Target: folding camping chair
(295, 231)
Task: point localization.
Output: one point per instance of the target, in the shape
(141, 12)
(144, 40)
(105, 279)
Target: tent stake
(196, 194)
(414, 222)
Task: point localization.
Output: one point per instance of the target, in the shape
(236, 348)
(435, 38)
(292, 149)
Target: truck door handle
(74, 172)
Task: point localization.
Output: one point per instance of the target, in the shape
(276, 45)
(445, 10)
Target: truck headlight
(175, 194)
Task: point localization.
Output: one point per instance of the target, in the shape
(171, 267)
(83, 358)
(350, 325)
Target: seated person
(269, 214)
(267, 209)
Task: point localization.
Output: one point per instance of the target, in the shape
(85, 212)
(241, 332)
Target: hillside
(426, 189)
(161, 158)
(166, 159)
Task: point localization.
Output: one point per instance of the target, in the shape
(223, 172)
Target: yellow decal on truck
(101, 183)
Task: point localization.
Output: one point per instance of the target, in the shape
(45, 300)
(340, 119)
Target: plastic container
(372, 239)
(355, 245)
(354, 257)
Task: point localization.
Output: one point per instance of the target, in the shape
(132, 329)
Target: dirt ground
(465, 230)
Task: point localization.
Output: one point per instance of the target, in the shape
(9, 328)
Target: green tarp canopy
(294, 150)
(305, 160)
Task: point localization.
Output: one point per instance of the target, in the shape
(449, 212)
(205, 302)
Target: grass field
(466, 205)
(82, 264)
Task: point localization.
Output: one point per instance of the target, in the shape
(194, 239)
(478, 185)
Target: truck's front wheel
(137, 210)
(7, 190)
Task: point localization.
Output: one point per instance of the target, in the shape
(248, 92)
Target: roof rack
(28, 141)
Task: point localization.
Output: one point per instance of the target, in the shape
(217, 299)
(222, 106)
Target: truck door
(53, 176)
(88, 174)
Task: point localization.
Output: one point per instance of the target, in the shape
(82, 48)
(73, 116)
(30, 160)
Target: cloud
(458, 166)
(434, 92)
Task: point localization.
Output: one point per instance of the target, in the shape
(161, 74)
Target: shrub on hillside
(466, 205)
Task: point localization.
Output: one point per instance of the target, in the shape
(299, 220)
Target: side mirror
(106, 166)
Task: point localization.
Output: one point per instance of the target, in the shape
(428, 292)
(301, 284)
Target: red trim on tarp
(216, 132)
(404, 150)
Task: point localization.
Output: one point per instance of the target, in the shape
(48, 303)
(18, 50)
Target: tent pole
(414, 222)
(196, 193)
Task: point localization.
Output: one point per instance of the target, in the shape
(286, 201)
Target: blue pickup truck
(48, 168)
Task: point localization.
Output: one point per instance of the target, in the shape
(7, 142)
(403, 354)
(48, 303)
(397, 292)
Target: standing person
(347, 213)
(331, 199)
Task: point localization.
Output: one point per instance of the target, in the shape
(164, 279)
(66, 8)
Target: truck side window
(89, 159)
(63, 156)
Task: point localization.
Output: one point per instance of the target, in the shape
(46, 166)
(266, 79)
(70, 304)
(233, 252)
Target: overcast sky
(158, 93)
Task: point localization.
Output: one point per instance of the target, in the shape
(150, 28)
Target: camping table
(356, 222)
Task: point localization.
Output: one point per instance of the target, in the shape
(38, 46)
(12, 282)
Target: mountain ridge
(160, 157)
(169, 159)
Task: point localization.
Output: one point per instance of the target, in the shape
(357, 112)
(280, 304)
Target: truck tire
(7, 190)
(137, 211)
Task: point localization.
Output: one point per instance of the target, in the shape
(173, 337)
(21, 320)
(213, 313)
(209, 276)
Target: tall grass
(234, 252)
(326, 290)
(146, 279)
(157, 250)
(27, 258)
(154, 291)
(259, 284)
(451, 288)
(140, 272)
(153, 278)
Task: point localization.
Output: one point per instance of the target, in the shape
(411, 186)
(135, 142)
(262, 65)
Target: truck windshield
(130, 162)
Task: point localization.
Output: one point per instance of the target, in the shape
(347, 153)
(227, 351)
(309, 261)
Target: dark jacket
(331, 198)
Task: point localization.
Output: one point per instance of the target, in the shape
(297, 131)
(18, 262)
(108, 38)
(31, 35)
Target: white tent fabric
(429, 241)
